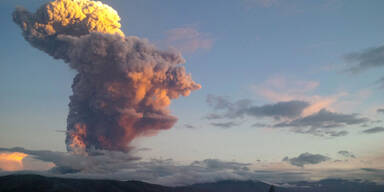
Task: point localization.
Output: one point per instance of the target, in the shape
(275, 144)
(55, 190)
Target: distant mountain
(36, 183)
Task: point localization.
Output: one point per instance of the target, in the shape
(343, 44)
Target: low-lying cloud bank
(125, 166)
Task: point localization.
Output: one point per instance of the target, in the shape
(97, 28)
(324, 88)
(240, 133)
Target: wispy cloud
(374, 130)
(324, 123)
(285, 114)
(225, 124)
(366, 59)
(279, 88)
(241, 108)
(188, 39)
(380, 82)
(347, 154)
(189, 126)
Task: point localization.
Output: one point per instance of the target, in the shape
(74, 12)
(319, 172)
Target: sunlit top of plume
(124, 84)
(73, 17)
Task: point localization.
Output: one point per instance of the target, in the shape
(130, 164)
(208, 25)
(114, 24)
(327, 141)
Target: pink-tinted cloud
(188, 39)
(280, 88)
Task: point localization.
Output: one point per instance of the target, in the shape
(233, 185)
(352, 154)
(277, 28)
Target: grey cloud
(212, 116)
(373, 170)
(189, 126)
(380, 82)
(260, 125)
(346, 154)
(381, 110)
(289, 109)
(366, 59)
(306, 159)
(240, 108)
(121, 166)
(218, 164)
(225, 124)
(374, 130)
(323, 122)
(336, 133)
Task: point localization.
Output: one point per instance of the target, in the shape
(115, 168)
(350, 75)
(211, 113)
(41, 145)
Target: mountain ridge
(31, 182)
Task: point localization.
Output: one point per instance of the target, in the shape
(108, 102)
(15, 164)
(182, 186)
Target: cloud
(381, 110)
(225, 125)
(260, 125)
(323, 123)
(366, 59)
(374, 130)
(279, 88)
(306, 159)
(336, 133)
(123, 166)
(188, 39)
(12, 161)
(288, 109)
(380, 82)
(101, 164)
(240, 108)
(374, 170)
(287, 114)
(346, 154)
(189, 126)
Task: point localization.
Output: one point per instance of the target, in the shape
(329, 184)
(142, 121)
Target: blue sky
(266, 51)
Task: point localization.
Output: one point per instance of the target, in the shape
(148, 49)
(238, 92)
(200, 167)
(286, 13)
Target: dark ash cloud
(366, 59)
(323, 123)
(374, 130)
(346, 154)
(244, 107)
(306, 159)
(123, 85)
(225, 124)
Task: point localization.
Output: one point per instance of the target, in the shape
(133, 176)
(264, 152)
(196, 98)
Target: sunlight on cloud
(12, 161)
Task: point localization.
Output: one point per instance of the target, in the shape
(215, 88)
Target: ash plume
(124, 85)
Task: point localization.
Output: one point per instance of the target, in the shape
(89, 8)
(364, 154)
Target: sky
(286, 85)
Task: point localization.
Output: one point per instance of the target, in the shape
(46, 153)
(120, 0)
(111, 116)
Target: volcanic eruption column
(124, 85)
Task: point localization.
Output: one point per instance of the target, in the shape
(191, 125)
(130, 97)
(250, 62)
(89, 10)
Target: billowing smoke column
(124, 85)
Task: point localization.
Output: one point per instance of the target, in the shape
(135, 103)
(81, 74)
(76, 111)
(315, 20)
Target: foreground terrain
(16, 183)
